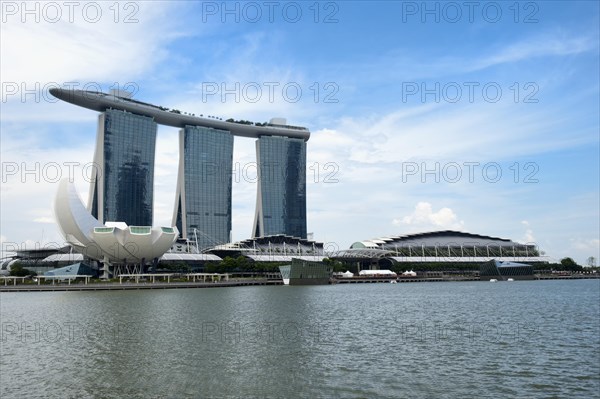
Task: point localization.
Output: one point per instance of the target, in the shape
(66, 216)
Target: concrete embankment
(132, 286)
(81, 286)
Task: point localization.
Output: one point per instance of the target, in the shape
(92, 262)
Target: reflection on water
(526, 339)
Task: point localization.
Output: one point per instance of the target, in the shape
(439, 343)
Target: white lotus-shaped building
(110, 243)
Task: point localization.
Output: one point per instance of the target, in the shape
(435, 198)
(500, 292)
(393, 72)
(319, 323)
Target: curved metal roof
(361, 253)
(468, 259)
(100, 102)
(173, 256)
(277, 239)
(390, 240)
(71, 257)
(284, 258)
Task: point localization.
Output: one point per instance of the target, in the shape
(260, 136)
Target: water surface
(535, 339)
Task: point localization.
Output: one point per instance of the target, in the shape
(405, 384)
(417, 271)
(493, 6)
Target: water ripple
(446, 340)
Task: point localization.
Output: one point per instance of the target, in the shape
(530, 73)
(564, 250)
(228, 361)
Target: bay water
(534, 339)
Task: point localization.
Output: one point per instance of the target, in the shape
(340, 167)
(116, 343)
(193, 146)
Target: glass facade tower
(203, 199)
(281, 194)
(123, 173)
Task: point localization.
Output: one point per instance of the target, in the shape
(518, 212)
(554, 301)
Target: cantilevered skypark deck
(100, 102)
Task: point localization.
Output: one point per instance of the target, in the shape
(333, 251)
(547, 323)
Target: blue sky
(389, 90)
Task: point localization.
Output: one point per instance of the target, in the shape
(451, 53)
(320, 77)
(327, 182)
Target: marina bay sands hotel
(123, 181)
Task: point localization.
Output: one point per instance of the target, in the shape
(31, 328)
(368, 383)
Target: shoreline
(239, 283)
(131, 286)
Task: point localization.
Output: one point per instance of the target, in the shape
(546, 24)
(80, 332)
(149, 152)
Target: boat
(493, 280)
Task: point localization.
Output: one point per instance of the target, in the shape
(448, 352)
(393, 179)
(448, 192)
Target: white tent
(381, 273)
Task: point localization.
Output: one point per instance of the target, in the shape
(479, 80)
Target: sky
(474, 116)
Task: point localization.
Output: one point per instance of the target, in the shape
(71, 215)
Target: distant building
(36, 259)
(123, 183)
(447, 247)
(281, 194)
(76, 269)
(203, 200)
(123, 176)
(303, 272)
(505, 270)
(276, 248)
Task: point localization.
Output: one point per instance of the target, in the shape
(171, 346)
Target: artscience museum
(111, 243)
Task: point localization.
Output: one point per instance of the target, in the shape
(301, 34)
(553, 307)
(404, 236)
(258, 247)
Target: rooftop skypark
(99, 101)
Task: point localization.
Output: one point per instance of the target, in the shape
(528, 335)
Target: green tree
(18, 270)
(228, 264)
(242, 263)
(181, 267)
(569, 264)
(336, 265)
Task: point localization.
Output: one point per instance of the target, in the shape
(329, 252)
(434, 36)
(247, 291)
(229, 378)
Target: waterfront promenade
(115, 286)
(19, 284)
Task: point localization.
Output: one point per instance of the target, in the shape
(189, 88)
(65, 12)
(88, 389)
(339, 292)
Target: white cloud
(84, 51)
(528, 237)
(586, 244)
(546, 44)
(44, 219)
(424, 217)
(549, 44)
(29, 183)
(454, 132)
